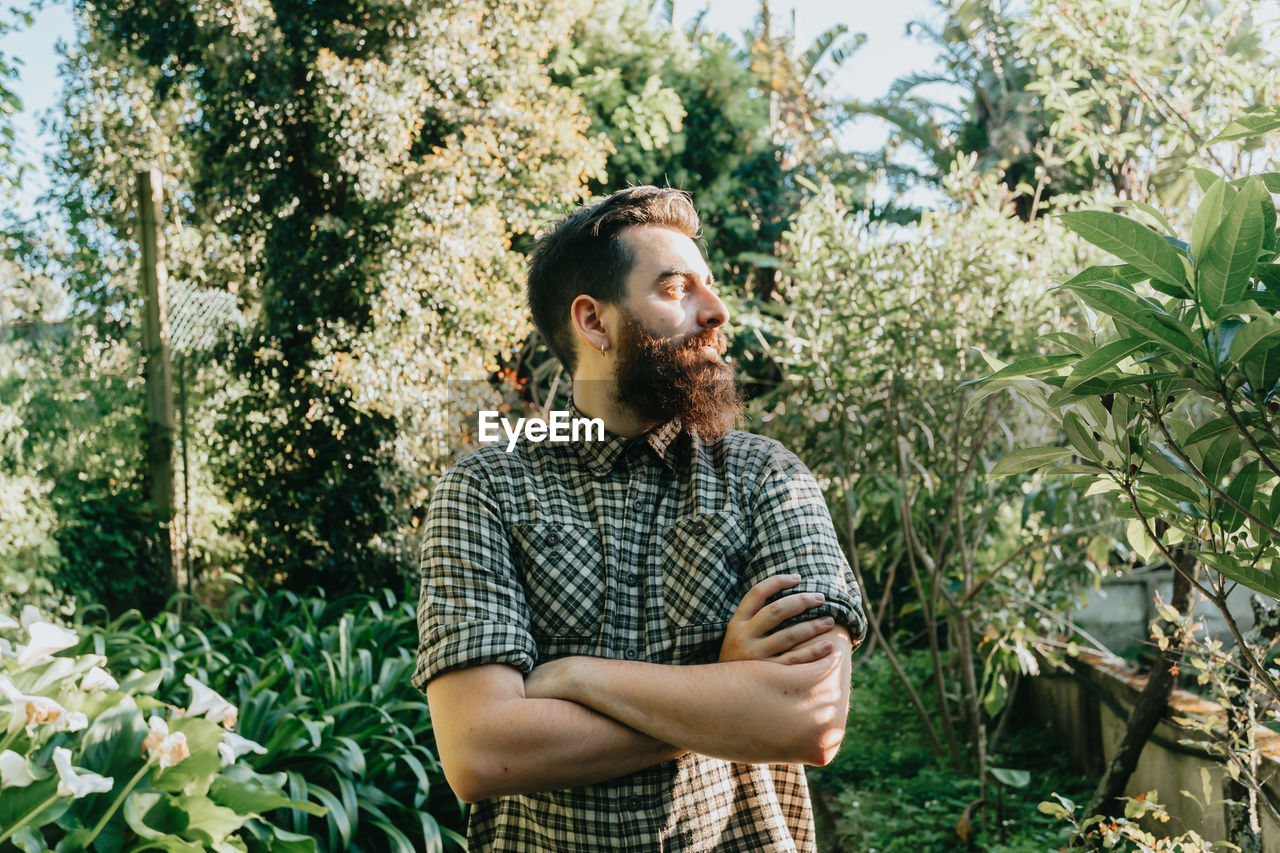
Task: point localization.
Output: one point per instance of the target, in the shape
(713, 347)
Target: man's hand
(748, 636)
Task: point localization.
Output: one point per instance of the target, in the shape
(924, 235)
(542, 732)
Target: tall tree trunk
(1151, 704)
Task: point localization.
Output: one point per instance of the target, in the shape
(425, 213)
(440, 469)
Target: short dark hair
(585, 253)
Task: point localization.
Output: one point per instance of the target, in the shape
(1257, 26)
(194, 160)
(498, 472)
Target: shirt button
(633, 802)
(553, 538)
(632, 578)
(637, 504)
(699, 527)
(631, 654)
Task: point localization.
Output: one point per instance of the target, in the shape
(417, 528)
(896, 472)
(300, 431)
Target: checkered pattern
(638, 549)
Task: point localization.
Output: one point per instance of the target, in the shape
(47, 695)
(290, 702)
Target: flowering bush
(91, 762)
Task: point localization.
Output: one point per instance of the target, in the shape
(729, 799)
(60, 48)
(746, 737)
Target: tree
(1064, 97)
(1168, 401)
(357, 175)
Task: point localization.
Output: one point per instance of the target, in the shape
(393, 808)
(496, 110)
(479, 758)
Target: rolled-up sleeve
(792, 534)
(471, 607)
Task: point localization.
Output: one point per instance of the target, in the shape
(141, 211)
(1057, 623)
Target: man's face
(669, 342)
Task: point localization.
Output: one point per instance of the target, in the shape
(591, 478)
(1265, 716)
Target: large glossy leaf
(1126, 274)
(1257, 123)
(1208, 217)
(1237, 570)
(1105, 358)
(1028, 459)
(1131, 242)
(1139, 314)
(1241, 490)
(1222, 274)
(1255, 336)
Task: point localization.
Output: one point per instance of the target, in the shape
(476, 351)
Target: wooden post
(155, 330)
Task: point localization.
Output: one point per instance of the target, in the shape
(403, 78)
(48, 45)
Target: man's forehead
(658, 250)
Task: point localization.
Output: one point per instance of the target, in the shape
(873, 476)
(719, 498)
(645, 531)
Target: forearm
(518, 745)
(749, 711)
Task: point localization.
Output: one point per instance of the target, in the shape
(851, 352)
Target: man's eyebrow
(683, 272)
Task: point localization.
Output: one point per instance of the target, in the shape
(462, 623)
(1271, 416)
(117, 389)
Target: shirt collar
(601, 456)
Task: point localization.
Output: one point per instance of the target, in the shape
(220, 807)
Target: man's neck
(595, 399)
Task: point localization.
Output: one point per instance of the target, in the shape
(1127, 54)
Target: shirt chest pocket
(702, 561)
(563, 575)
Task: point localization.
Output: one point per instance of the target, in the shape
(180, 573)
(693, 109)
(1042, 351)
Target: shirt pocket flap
(702, 569)
(562, 572)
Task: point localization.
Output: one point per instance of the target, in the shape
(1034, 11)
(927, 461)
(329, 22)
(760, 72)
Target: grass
(887, 793)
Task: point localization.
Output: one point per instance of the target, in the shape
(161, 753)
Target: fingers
(762, 592)
(773, 615)
(789, 638)
(814, 649)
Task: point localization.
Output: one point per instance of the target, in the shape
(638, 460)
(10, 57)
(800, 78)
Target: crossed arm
(779, 697)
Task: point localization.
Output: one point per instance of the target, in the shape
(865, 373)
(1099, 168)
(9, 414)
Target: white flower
(169, 748)
(77, 784)
(39, 710)
(98, 679)
(46, 638)
(71, 721)
(204, 700)
(30, 615)
(14, 772)
(7, 622)
(232, 746)
(6, 648)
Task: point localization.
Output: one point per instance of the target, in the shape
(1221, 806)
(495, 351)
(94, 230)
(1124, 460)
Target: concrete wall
(1118, 614)
(1086, 708)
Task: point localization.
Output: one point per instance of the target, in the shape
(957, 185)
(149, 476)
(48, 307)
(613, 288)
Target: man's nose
(712, 312)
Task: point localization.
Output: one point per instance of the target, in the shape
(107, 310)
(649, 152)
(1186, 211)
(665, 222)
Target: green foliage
(76, 416)
(357, 176)
(1128, 833)
(324, 686)
(89, 762)
(880, 327)
(886, 791)
(1172, 393)
(1069, 97)
(734, 125)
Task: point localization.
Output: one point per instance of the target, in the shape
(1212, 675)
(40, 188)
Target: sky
(888, 54)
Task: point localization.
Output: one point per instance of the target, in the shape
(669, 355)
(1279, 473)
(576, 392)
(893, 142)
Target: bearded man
(635, 643)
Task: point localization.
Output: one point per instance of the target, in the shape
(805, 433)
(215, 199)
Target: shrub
(324, 686)
(89, 760)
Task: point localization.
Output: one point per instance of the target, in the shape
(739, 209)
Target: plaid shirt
(636, 549)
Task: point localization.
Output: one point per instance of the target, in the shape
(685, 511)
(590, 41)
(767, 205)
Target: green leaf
(1241, 490)
(206, 820)
(1254, 578)
(1012, 778)
(1138, 313)
(1079, 436)
(1219, 457)
(1258, 335)
(1211, 429)
(1257, 123)
(239, 788)
(1139, 541)
(1222, 274)
(1027, 459)
(1131, 242)
(1126, 274)
(1208, 217)
(1104, 358)
(1153, 213)
(1025, 367)
(292, 842)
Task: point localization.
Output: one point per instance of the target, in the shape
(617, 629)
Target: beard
(658, 379)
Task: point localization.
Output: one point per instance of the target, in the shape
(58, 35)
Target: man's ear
(590, 325)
